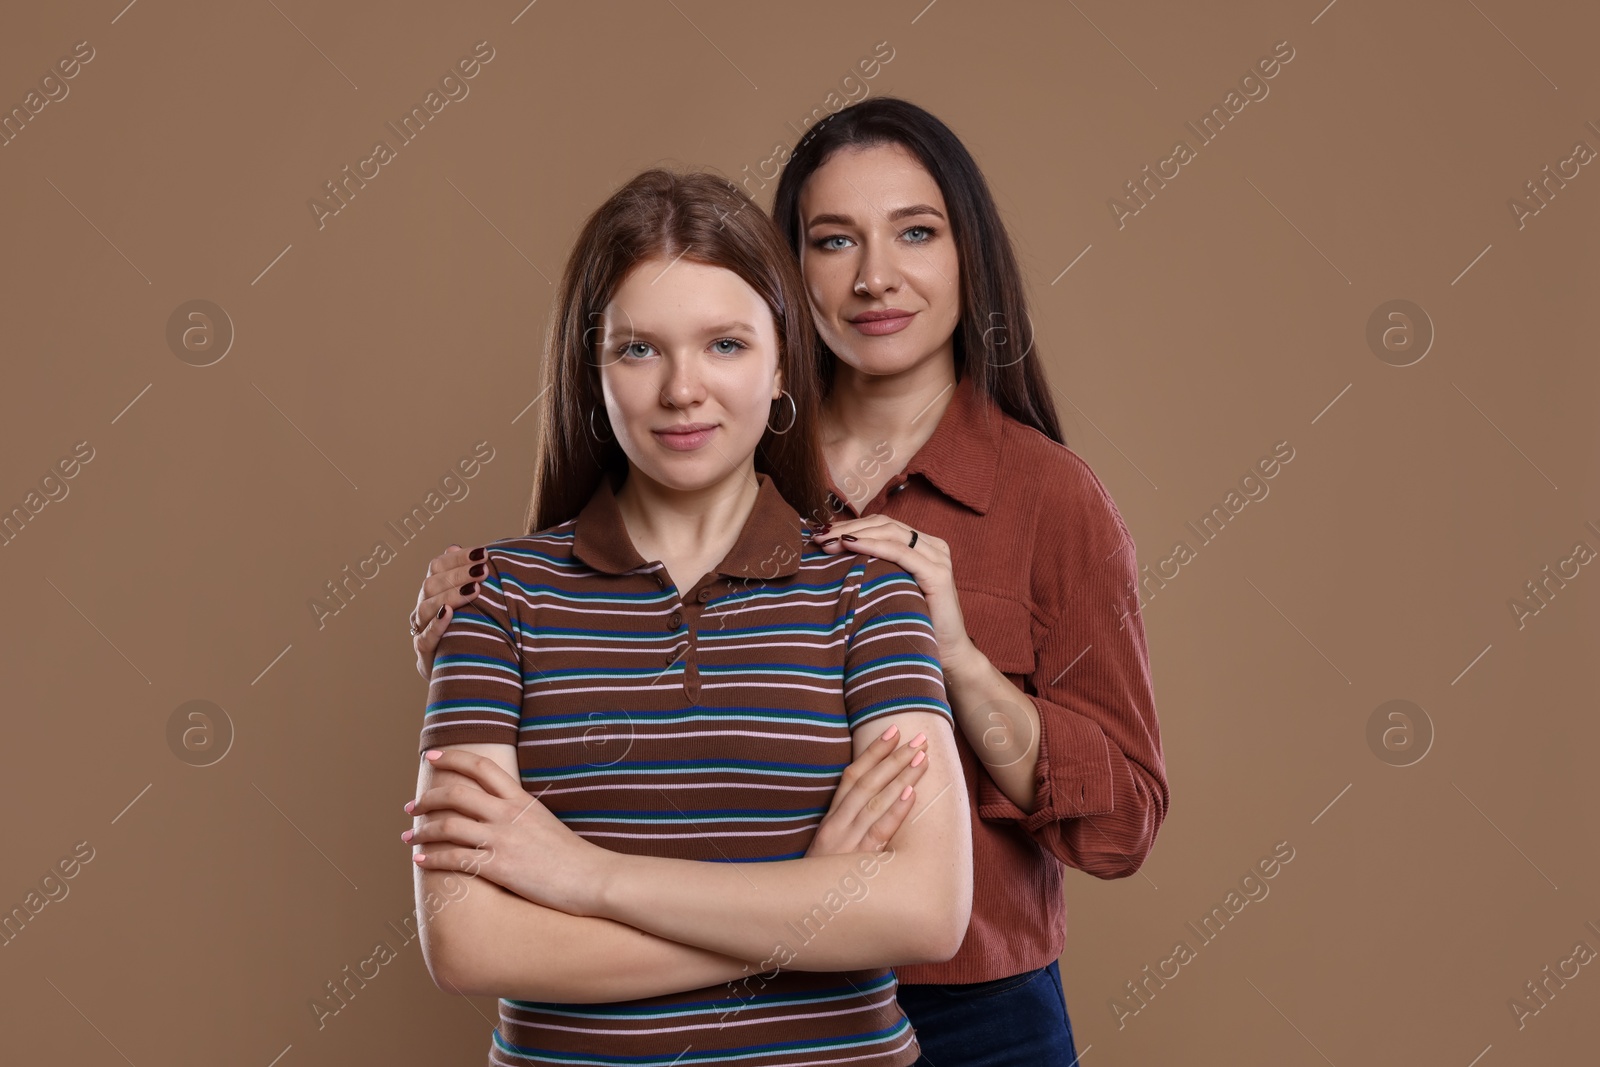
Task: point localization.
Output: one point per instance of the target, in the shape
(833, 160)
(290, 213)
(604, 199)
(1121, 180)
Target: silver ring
(412, 626)
(913, 539)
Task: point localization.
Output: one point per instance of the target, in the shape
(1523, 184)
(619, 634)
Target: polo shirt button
(705, 595)
(675, 620)
(899, 487)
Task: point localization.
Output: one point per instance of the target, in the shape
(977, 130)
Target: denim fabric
(1018, 1021)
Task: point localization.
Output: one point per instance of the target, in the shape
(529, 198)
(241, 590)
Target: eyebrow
(894, 216)
(733, 326)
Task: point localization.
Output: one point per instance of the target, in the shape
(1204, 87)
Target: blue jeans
(1019, 1021)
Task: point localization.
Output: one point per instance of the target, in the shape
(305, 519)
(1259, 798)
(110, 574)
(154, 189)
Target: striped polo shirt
(711, 723)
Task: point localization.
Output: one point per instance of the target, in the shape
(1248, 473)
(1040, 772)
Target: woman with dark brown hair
(946, 458)
(636, 729)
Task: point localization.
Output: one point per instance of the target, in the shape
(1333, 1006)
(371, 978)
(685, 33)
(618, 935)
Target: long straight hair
(705, 219)
(994, 342)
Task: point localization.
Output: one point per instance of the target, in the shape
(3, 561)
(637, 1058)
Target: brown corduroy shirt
(1047, 580)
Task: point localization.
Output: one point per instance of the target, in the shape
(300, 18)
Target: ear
(777, 383)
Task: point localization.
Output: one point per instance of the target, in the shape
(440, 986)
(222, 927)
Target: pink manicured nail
(905, 794)
(918, 758)
(433, 753)
(915, 741)
(406, 837)
(888, 734)
(409, 805)
(418, 857)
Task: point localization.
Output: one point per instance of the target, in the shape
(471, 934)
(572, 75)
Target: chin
(686, 474)
(882, 358)
(679, 481)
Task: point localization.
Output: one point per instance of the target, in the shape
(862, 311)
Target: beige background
(1228, 315)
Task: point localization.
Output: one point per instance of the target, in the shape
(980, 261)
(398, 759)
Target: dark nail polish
(475, 554)
(441, 612)
(829, 541)
(850, 537)
(467, 589)
(477, 571)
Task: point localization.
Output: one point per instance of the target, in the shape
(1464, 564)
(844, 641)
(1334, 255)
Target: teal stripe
(885, 662)
(731, 1055)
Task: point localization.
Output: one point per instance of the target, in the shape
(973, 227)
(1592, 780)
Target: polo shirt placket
(768, 547)
(683, 624)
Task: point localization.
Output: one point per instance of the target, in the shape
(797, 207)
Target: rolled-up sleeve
(1101, 785)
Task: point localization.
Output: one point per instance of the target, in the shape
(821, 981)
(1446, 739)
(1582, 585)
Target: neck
(668, 523)
(903, 408)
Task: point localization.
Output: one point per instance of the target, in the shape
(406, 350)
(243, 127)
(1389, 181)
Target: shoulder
(1076, 538)
(554, 541)
(515, 568)
(1056, 487)
(529, 553)
(846, 573)
(888, 611)
(856, 586)
(876, 578)
(885, 596)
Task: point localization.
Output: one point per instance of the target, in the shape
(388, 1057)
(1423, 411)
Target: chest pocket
(1001, 627)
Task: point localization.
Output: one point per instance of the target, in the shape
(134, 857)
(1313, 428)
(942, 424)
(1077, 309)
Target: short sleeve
(475, 691)
(891, 655)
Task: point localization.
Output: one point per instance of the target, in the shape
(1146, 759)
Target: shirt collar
(768, 544)
(961, 456)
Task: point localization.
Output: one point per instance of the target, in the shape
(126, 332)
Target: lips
(878, 323)
(686, 436)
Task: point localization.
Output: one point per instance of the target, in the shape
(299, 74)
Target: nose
(684, 385)
(877, 271)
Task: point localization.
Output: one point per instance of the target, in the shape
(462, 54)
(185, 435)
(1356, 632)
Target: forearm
(1000, 722)
(487, 941)
(907, 904)
(818, 913)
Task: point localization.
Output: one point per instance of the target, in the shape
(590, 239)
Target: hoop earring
(594, 431)
(794, 414)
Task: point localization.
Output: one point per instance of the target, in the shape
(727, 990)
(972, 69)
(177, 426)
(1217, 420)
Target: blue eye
(928, 230)
(628, 349)
(737, 346)
(825, 246)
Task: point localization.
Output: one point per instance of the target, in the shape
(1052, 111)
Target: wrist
(963, 664)
(603, 884)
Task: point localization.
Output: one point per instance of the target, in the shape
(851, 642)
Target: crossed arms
(652, 925)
